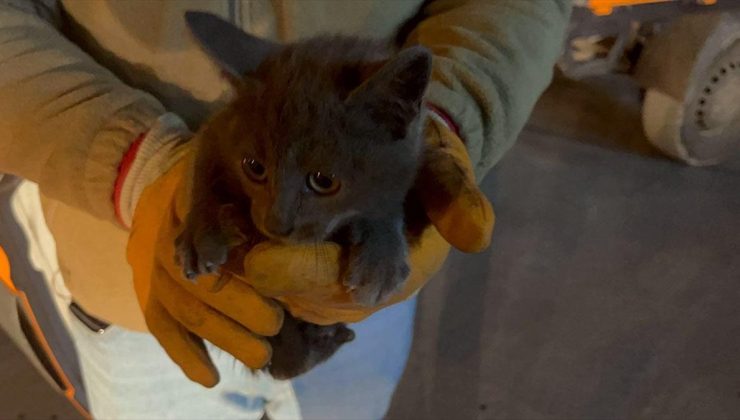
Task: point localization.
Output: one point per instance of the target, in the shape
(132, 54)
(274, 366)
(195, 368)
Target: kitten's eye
(254, 170)
(324, 184)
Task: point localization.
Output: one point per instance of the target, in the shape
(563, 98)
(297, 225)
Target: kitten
(321, 142)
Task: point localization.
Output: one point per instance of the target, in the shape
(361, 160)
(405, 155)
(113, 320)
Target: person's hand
(228, 312)
(179, 313)
(306, 279)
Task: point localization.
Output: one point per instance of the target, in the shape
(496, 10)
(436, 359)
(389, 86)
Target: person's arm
(65, 121)
(69, 124)
(492, 61)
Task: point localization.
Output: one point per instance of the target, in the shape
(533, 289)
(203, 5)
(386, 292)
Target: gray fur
(337, 105)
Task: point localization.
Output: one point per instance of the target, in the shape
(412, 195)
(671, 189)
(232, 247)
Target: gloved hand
(306, 279)
(179, 313)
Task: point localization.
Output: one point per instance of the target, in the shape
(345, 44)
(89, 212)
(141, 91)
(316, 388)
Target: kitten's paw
(373, 282)
(327, 337)
(300, 346)
(201, 252)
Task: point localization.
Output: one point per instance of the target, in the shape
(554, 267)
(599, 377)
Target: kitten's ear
(394, 92)
(235, 51)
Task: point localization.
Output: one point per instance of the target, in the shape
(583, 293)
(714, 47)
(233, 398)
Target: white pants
(128, 376)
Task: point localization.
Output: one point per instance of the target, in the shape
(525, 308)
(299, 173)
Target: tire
(691, 109)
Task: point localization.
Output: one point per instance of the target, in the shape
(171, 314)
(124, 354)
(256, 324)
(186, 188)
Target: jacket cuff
(150, 156)
(442, 117)
(466, 118)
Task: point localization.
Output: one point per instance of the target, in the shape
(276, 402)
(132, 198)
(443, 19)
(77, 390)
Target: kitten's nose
(278, 227)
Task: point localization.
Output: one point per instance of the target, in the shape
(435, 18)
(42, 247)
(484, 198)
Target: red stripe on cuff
(445, 117)
(123, 169)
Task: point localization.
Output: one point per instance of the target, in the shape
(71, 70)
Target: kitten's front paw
(201, 251)
(373, 280)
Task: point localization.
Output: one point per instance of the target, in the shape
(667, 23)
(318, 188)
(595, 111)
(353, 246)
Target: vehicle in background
(685, 54)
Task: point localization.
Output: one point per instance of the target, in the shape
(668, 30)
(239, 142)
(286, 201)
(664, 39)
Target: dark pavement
(611, 289)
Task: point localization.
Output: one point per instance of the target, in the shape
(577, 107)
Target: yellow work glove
(306, 279)
(180, 313)
(226, 310)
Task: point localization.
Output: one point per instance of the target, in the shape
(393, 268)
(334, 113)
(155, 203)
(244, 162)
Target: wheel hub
(717, 104)
(712, 123)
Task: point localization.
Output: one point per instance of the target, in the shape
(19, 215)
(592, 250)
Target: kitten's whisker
(305, 254)
(317, 261)
(323, 255)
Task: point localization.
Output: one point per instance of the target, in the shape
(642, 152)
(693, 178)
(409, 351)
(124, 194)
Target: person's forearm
(493, 59)
(65, 121)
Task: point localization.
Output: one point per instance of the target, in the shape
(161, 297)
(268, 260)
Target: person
(98, 102)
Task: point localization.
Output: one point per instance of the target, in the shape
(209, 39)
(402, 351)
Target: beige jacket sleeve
(65, 121)
(493, 59)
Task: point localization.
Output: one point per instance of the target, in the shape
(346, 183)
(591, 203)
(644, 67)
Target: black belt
(94, 324)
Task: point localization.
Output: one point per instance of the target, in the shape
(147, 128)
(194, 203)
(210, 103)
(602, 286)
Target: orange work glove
(306, 279)
(226, 310)
(180, 313)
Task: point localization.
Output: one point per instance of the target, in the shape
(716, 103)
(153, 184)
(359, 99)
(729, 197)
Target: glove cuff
(149, 156)
(438, 115)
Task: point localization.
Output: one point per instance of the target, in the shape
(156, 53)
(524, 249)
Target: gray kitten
(322, 142)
